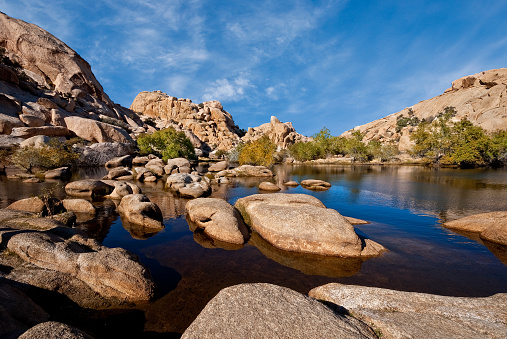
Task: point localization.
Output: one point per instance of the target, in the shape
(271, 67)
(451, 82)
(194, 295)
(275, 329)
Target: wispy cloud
(228, 90)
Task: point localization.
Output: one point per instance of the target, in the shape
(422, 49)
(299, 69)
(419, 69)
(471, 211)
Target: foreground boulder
(398, 314)
(217, 219)
(301, 223)
(491, 226)
(270, 311)
(188, 185)
(139, 210)
(54, 330)
(111, 272)
(88, 188)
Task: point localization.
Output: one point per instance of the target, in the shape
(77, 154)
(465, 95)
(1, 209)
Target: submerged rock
(301, 223)
(268, 186)
(315, 185)
(217, 219)
(270, 311)
(397, 314)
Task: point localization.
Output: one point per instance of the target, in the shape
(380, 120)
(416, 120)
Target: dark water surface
(404, 205)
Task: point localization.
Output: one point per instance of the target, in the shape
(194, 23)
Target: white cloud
(225, 90)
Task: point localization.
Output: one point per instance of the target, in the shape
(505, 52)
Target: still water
(404, 205)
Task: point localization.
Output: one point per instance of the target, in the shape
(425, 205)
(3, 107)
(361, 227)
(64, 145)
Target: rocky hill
(207, 124)
(481, 98)
(46, 88)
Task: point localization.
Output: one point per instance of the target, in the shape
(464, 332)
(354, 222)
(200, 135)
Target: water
(404, 205)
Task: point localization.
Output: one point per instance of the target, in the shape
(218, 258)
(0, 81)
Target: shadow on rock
(309, 264)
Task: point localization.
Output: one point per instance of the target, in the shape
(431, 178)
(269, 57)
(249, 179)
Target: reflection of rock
(301, 223)
(491, 226)
(270, 311)
(309, 264)
(499, 251)
(419, 315)
(137, 231)
(218, 219)
(207, 242)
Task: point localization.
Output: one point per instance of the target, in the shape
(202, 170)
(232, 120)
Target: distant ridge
(481, 98)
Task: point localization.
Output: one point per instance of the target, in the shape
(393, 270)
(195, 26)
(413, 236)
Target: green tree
(167, 143)
(258, 152)
(356, 148)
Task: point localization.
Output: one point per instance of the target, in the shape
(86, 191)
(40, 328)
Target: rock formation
(208, 121)
(46, 88)
(282, 134)
(481, 98)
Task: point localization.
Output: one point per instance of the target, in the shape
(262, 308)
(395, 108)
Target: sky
(323, 63)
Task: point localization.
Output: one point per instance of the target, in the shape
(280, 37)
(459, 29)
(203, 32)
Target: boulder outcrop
(301, 223)
(217, 219)
(207, 121)
(491, 226)
(139, 210)
(189, 185)
(481, 98)
(270, 311)
(281, 134)
(397, 314)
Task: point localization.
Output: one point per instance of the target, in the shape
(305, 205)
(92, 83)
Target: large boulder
(139, 210)
(122, 188)
(88, 188)
(217, 219)
(177, 165)
(78, 206)
(62, 173)
(50, 131)
(219, 166)
(37, 205)
(397, 314)
(54, 330)
(491, 226)
(96, 131)
(188, 185)
(111, 272)
(270, 311)
(301, 223)
(99, 154)
(268, 186)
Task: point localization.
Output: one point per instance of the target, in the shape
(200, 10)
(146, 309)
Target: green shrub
(167, 143)
(55, 154)
(258, 152)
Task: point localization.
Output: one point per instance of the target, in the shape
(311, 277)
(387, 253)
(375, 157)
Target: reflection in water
(139, 232)
(208, 242)
(309, 264)
(498, 250)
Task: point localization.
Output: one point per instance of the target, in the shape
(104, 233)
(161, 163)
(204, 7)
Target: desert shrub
(355, 147)
(304, 151)
(221, 153)
(55, 154)
(167, 143)
(258, 152)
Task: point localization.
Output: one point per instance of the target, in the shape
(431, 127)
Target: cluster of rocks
(291, 222)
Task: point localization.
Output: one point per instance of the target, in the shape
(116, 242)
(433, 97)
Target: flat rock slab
(491, 226)
(301, 223)
(270, 311)
(315, 185)
(217, 219)
(419, 315)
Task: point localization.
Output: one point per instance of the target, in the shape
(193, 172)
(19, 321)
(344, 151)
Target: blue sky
(337, 64)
